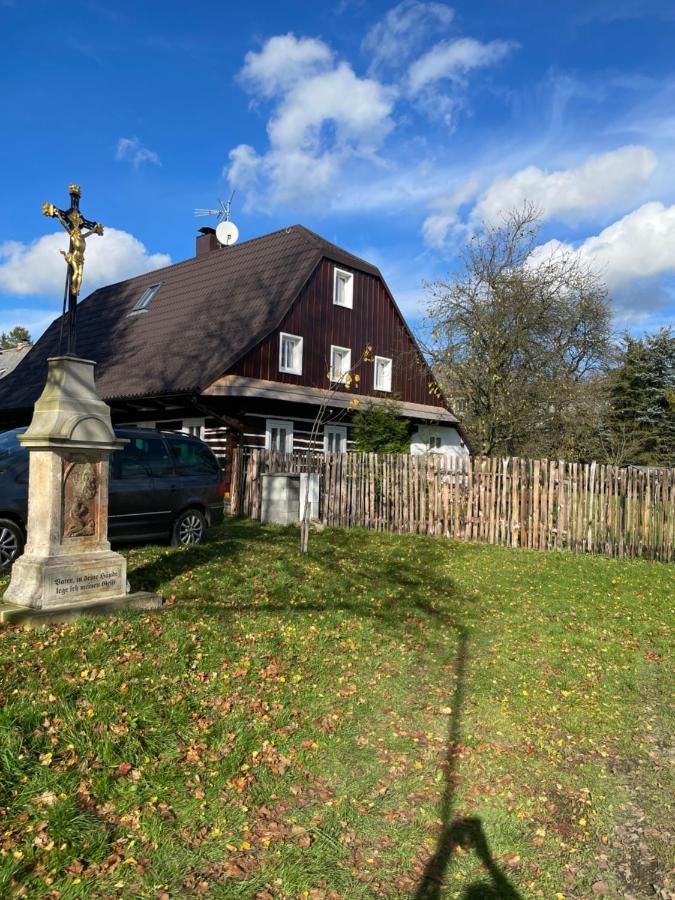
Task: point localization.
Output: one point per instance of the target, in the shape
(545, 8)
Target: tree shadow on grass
(418, 586)
(466, 833)
(222, 545)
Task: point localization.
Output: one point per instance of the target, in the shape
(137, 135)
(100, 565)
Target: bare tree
(514, 331)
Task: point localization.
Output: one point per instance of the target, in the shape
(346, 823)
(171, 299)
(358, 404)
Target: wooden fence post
(539, 504)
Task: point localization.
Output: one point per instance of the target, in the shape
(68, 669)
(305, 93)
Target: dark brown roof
(208, 312)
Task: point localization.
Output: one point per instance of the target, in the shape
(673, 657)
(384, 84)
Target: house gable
(372, 320)
(221, 312)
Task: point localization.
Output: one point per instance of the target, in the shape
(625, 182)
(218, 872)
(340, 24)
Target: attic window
(146, 297)
(343, 288)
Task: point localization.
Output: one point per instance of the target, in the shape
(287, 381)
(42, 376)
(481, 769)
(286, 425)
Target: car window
(11, 451)
(193, 458)
(21, 471)
(141, 457)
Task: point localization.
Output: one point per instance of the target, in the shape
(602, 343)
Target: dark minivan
(162, 485)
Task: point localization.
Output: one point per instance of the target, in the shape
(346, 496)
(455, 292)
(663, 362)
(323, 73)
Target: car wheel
(189, 528)
(11, 542)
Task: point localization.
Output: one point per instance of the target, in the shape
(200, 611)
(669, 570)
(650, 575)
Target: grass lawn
(385, 717)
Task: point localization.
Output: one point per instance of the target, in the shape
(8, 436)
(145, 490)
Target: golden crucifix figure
(73, 221)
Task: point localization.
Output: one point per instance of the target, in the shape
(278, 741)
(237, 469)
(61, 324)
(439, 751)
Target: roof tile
(209, 311)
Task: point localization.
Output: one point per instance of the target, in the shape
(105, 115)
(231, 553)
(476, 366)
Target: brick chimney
(207, 241)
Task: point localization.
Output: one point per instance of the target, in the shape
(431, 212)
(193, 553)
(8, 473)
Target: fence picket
(538, 504)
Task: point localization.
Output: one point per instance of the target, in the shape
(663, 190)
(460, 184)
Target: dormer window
(382, 373)
(343, 288)
(290, 354)
(144, 301)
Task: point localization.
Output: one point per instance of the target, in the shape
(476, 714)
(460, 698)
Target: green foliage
(380, 428)
(642, 392)
(304, 722)
(18, 335)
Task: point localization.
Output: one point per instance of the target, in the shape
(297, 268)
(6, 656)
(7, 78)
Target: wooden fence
(536, 503)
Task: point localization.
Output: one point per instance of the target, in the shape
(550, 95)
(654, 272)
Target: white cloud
(401, 32)
(436, 226)
(638, 246)
(327, 125)
(132, 150)
(244, 166)
(570, 194)
(39, 268)
(283, 61)
(358, 109)
(324, 114)
(453, 59)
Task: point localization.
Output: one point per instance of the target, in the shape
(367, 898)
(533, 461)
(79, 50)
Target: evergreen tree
(18, 335)
(379, 428)
(642, 390)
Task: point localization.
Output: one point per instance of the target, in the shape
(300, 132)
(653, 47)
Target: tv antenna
(227, 232)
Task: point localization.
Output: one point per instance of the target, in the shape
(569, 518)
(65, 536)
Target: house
(238, 345)
(12, 356)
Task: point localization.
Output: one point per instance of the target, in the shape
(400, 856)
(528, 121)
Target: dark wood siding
(372, 320)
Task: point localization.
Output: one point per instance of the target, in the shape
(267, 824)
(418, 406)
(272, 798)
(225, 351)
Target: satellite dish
(227, 233)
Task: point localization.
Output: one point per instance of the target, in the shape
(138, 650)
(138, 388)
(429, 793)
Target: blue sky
(394, 130)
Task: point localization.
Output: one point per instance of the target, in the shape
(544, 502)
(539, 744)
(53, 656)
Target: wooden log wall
(539, 504)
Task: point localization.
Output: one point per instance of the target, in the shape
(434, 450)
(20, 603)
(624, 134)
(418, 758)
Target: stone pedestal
(68, 560)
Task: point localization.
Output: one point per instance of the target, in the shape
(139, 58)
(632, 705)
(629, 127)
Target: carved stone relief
(80, 499)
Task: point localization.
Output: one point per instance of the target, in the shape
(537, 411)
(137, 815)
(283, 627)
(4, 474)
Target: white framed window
(279, 435)
(382, 373)
(334, 439)
(434, 443)
(194, 427)
(340, 362)
(290, 353)
(343, 288)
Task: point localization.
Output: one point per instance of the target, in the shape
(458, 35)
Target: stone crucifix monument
(68, 566)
